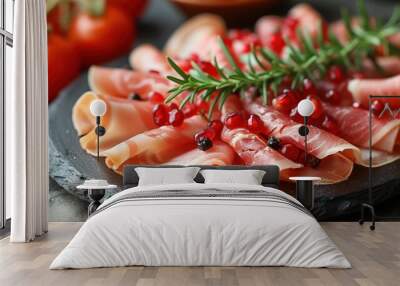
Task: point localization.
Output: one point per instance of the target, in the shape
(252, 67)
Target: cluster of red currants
(330, 91)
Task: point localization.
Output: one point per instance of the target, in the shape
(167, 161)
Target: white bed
(224, 225)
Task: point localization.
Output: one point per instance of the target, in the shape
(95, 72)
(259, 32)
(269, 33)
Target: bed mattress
(201, 225)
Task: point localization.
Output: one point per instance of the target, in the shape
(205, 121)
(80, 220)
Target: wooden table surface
(375, 258)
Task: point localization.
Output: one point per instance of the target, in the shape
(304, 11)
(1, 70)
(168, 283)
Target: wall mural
(218, 96)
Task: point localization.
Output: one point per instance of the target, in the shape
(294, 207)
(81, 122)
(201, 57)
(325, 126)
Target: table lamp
(305, 108)
(98, 108)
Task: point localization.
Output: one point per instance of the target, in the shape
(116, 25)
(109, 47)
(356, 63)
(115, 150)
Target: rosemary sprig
(307, 62)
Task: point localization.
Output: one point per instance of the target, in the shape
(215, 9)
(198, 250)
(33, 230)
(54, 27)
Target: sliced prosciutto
(309, 18)
(353, 126)
(155, 146)
(251, 148)
(147, 58)
(267, 26)
(336, 154)
(194, 36)
(220, 154)
(124, 83)
(361, 89)
(123, 119)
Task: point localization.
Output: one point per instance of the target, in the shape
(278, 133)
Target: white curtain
(27, 123)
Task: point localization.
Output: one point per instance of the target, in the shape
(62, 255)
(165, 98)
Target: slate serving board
(70, 165)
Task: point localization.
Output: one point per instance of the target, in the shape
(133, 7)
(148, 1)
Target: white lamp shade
(98, 107)
(305, 107)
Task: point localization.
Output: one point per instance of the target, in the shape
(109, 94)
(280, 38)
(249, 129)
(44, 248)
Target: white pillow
(163, 176)
(248, 177)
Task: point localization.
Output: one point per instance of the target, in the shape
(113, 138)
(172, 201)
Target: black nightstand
(95, 193)
(305, 190)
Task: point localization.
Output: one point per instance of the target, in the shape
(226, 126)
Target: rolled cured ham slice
(254, 151)
(155, 146)
(123, 119)
(336, 154)
(251, 148)
(267, 26)
(361, 89)
(194, 36)
(124, 83)
(389, 65)
(353, 126)
(220, 154)
(309, 18)
(148, 58)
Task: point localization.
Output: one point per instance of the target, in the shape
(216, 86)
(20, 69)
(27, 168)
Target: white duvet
(200, 231)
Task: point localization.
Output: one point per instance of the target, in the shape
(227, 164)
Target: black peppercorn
(274, 143)
(313, 161)
(135, 96)
(204, 144)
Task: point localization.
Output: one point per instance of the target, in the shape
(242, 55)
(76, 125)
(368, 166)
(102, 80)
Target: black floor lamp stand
(370, 204)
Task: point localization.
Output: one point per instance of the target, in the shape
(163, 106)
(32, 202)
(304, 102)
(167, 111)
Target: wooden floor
(375, 257)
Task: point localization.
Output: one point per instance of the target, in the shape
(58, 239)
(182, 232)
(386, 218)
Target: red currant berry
(176, 117)
(207, 67)
(318, 108)
(290, 151)
(156, 97)
(294, 115)
(206, 133)
(336, 74)
(202, 106)
(160, 115)
(285, 102)
(185, 65)
(291, 23)
(217, 126)
(309, 87)
(234, 120)
(276, 43)
(255, 124)
(173, 106)
(189, 110)
(377, 107)
(333, 96)
(330, 125)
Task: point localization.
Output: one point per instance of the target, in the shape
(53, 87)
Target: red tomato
(134, 8)
(53, 21)
(63, 63)
(102, 38)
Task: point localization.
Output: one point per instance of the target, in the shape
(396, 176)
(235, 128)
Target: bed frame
(270, 179)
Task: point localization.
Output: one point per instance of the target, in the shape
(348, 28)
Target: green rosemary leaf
(223, 98)
(219, 70)
(184, 101)
(175, 79)
(347, 21)
(213, 103)
(320, 34)
(260, 64)
(264, 92)
(177, 68)
(229, 56)
(363, 14)
(394, 19)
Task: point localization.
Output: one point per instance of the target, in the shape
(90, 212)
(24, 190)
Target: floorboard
(375, 257)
